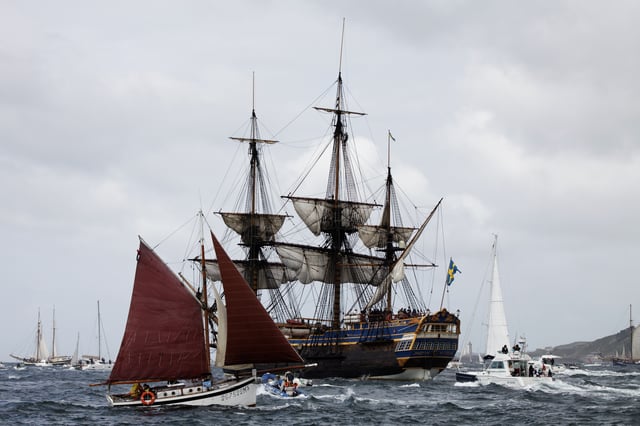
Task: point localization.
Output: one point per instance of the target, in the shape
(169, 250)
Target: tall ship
(340, 293)
(41, 357)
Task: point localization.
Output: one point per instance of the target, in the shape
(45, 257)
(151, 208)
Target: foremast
(256, 224)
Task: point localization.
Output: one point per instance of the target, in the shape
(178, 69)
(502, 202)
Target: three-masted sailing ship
(368, 335)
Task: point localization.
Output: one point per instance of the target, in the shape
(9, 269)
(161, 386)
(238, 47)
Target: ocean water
(593, 396)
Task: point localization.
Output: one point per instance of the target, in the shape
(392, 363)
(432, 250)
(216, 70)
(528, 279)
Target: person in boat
(531, 370)
(289, 376)
(287, 381)
(136, 390)
(505, 349)
(516, 348)
(545, 371)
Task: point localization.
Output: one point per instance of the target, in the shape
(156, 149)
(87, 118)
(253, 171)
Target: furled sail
(164, 335)
(252, 336)
(270, 274)
(313, 264)
(261, 227)
(397, 271)
(377, 236)
(317, 214)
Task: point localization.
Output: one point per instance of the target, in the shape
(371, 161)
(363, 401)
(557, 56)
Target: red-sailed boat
(164, 352)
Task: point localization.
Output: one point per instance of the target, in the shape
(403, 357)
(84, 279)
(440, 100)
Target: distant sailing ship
(41, 356)
(371, 335)
(634, 352)
(166, 340)
(96, 362)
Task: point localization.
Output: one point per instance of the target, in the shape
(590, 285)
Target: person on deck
(136, 390)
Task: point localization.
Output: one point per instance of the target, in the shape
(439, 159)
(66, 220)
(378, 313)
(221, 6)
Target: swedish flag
(452, 271)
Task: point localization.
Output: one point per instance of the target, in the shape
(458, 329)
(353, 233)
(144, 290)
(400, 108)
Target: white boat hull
(517, 381)
(413, 374)
(236, 393)
(97, 366)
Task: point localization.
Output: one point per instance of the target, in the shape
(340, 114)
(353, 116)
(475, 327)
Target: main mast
(53, 339)
(337, 231)
(39, 339)
(204, 299)
(99, 335)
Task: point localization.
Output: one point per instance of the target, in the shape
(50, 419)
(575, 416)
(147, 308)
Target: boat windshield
(497, 365)
(518, 367)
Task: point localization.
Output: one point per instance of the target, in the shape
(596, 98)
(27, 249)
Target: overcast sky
(524, 116)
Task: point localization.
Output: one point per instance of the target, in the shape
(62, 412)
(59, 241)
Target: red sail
(252, 336)
(164, 337)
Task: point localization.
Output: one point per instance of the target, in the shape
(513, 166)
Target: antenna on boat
(341, 45)
(389, 139)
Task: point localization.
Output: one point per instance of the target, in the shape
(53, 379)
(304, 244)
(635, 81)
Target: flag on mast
(453, 269)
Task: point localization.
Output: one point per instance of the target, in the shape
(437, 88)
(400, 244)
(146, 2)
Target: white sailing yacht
(93, 362)
(506, 365)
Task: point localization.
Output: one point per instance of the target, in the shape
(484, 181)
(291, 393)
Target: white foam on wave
(559, 386)
(467, 384)
(410, 385)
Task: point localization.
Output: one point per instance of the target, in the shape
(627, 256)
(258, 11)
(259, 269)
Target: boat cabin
(514, 367)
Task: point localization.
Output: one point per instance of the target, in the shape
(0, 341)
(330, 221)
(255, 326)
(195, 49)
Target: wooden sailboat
(165, 348)
(634, 348)
(41, 356)
(373, 338)
(375, 333)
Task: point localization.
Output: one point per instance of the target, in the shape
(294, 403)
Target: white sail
(311, 264)
(498, 333)
(42, 352)
(635, 344)
(316, 213)
(376, 236)
(221, 340)
(270, 276)
(260, 226)
(54, 352)
(74, 357)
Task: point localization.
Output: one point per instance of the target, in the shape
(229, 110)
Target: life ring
(147, 397)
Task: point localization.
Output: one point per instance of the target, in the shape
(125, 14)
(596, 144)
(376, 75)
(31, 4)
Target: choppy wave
(587, 396)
